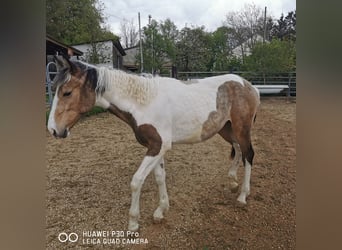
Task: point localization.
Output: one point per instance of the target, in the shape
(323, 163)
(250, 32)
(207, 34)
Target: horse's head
(74, 94)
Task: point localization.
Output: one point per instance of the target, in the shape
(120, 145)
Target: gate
(51, 71)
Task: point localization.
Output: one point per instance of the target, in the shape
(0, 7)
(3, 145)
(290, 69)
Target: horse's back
(215, 81)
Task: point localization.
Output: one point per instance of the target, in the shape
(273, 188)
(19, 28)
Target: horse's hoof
(133, 226)
(234, 187)
(158, 220)
(241, 201)
(158, 216)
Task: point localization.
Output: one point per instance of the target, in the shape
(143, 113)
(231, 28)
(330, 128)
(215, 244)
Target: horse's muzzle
(60, 135)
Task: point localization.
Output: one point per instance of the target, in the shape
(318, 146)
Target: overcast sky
(210, 13)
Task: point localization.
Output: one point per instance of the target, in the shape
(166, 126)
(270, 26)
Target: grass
(95, 110)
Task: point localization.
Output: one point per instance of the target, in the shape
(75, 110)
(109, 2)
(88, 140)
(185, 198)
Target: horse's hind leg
(227, 134)
(244, 139)
(245, 188)
(232, 173)
(159, 173)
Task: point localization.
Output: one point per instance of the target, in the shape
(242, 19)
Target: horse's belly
(187, 133)
(189, 117)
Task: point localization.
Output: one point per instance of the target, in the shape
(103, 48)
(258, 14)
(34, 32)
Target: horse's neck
(124, 89)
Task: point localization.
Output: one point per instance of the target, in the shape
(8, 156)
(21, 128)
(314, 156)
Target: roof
(53, 46)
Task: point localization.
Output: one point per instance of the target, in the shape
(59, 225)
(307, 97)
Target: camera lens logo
(64, 237)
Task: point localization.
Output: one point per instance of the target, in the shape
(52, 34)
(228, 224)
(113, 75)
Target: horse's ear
(59, 62)
(72, 67)
(64, 62)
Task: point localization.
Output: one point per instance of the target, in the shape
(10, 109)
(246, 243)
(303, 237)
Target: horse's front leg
(159, 173)
(147, 165)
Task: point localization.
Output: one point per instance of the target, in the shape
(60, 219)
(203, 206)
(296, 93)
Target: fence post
(289, 89)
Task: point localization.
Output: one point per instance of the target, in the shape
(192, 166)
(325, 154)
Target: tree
(74, 22)
(193, 49)
(153, 53)
(246, 25)
(159, 45)
(285, 28)
(129, 33)
(274, 57)
(169, 35)
(96, 54)
(221, 49)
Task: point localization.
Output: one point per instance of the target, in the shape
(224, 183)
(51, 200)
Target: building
(54, 47)
(108, 53)
(131, 63)
(130, 60)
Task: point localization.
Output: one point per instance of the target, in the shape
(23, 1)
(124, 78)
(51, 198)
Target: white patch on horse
(51, 122)
(159, 173)
(245, 188)
(102, 102)
(147, 165)
(232, 172)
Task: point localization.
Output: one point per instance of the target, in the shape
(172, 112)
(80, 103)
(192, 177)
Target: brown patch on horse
(217, 119)
(124, 116)
(75, 97)
(227, 133)
(236, 106)
(234, 101)
(245, 102)
(146, 134)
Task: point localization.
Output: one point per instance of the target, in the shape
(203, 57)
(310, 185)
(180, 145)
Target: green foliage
(94, 111)
(274, 57)
(219, 49)
(96, 54)
(159, 45)
(235, 64)
(194, 50)
(74, 22)
(285, 28)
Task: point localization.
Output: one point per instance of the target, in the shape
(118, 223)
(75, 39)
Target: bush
(276, 56)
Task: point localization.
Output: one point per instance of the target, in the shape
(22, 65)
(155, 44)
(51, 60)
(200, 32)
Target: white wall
(106, 52)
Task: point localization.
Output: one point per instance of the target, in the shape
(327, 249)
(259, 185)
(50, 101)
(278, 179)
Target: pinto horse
(161, 111)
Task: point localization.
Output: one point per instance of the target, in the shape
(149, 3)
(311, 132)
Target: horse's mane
(140, 89)
(126, 85)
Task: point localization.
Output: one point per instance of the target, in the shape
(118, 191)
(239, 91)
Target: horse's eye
(67, 93)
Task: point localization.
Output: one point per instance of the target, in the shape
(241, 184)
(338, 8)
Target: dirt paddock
(88, 187)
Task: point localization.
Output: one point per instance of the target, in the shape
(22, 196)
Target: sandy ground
(88, 188)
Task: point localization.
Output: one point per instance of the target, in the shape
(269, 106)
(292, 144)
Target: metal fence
(288, 78)
(51, 71)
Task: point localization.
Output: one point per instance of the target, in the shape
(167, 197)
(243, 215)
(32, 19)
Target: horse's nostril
(65, 134)
(54, 133)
